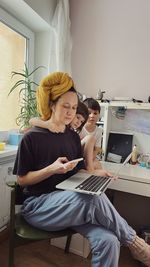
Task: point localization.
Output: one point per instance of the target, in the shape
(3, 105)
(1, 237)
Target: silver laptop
(89, 183)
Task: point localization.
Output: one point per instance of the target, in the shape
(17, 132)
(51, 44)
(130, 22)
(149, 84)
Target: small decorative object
(120, 113)
(144, 160)
(148, 164)
(137, 100)
(100, 94)
(80, 96)
(2, 146)
(134, 155)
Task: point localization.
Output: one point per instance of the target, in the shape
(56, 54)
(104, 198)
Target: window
(17, 48)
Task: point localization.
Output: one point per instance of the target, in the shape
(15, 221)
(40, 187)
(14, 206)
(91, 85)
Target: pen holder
(144, 160)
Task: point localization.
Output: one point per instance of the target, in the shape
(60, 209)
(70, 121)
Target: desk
(134, 187)
(9, 151)
(132, 178)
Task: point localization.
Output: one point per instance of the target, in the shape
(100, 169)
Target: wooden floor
(41, 254)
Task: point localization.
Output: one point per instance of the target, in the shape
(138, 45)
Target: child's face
(93, 116)
(77, 121)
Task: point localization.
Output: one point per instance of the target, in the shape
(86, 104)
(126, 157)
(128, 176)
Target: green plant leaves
(27, 96)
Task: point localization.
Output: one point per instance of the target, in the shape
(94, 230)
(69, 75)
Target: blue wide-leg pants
(94, 217)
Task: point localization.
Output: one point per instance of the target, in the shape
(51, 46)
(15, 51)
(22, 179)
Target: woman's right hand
(61, 165)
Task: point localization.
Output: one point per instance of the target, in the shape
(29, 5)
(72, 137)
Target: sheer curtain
(60, 50)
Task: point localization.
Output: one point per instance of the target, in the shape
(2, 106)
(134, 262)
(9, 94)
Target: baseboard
(4, 235)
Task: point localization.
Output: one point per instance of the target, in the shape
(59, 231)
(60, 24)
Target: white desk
(132, 178)
(9, 150)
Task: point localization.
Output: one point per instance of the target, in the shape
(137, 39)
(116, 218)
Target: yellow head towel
(50, 88)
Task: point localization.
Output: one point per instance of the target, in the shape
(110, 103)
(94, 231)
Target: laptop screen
(119, 147)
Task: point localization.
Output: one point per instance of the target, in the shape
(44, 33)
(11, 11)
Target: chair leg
(68, 241)
(12, 230)
(11, 251)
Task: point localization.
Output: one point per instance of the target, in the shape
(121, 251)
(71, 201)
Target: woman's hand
(62, 165)
(102, 172)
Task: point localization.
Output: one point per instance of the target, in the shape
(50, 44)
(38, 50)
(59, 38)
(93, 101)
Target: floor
(41, 254)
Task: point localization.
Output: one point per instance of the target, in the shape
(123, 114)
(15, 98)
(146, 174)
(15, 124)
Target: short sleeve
(24, 160)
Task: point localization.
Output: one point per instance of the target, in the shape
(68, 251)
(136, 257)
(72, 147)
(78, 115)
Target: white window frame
(20, 28)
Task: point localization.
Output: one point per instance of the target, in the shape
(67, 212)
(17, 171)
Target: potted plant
(27, 98)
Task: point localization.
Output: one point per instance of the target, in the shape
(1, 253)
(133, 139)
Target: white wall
(45, 9)
(42, 53)
(111, 47)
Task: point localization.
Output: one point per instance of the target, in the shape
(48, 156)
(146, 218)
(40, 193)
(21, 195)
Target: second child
(91, 135)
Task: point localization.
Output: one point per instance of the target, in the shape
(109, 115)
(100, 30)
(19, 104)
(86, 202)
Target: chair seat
(27, 231)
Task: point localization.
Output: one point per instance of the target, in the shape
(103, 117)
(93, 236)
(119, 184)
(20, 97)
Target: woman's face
(65, 108)
(77, 121)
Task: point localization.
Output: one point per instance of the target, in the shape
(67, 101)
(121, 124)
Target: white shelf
(128, 105)
(8, 151)
(112, 123)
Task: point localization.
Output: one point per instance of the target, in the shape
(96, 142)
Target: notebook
(89, 183)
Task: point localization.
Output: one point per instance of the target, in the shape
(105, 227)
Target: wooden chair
(23, 233)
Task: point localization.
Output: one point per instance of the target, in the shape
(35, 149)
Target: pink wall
(111, 47)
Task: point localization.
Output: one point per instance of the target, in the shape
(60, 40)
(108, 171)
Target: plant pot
(15, 138)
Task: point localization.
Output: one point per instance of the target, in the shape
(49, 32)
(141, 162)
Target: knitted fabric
(50, 88)
(140, 250)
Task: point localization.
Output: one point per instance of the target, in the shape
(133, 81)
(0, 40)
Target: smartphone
(75, 160)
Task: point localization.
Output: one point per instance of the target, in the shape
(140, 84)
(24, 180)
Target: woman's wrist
(49, 170)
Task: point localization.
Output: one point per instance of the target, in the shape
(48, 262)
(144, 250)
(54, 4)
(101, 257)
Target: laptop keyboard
(94, 183)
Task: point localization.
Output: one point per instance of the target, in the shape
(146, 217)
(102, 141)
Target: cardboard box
(79, 245)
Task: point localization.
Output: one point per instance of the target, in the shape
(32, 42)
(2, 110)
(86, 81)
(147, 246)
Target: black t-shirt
(40, 148)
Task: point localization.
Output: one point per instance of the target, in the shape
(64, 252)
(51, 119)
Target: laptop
(89, 183)
(119, 146)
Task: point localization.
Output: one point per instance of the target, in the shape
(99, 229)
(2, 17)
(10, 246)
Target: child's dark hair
(82, 110)
(92, 103)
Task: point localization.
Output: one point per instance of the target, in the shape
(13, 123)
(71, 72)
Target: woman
(43, 161)
(88, 144)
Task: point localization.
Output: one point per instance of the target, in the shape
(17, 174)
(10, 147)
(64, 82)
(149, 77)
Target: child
(76, 124)
(91, 135)
(81, 117)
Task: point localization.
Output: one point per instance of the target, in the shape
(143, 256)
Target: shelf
(128, 105)
(8, 152)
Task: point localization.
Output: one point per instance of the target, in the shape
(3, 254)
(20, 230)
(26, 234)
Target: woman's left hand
(101, 172)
